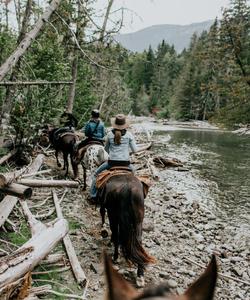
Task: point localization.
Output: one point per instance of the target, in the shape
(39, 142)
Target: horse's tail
(130, 228)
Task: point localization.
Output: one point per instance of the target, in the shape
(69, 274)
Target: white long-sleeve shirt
(120, 152)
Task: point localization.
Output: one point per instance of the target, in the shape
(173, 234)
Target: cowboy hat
(119, 122)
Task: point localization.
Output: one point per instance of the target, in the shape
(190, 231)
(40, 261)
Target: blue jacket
(92, 130)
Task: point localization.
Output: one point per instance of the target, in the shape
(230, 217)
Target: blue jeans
(104, 166)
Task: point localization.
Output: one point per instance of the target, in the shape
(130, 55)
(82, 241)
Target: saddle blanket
(104, 176)
(60, 135)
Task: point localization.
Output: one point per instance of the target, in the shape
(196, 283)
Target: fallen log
(35, 225)
(9, 202)
(75, 264)
(54, 258)
(152, 169)
(49, 183)
(36, 173)
(7, 156)
(143, 147)
(18, 190)
(167, 162)
(37, 291)
(23, 260)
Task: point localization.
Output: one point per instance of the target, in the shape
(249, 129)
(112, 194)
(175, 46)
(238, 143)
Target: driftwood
(7, 156)
(35, 225)
(143, 147)
(53, 258)
(17, 190)
(8, 203)
(36, 173)
(167, 162)
(152, 169)
(49, 183)
(75, 264)
(31, 253)
(40, 290)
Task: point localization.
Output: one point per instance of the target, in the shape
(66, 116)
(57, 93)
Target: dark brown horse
(123, 198)
(62, 142)
(120, 289)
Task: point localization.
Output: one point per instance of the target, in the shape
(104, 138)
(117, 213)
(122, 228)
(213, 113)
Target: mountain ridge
(173, 34)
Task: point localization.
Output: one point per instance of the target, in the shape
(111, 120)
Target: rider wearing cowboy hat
(119, 142)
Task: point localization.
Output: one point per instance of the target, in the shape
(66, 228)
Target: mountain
(177, 35)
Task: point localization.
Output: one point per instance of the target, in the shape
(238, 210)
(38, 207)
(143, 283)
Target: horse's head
(119, 289)
(44, 135)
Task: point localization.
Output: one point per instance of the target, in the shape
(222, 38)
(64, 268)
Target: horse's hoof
(140, 282)
(104, 233)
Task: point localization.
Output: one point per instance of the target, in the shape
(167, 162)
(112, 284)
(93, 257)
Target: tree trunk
(75, 264)
(104, 25)
(7, 156)
(7, 104)
(31, 253)
(35, 225)
(72, 89)
(17, 190)
(49, 183)
(38, 82)
(9, 202)
(29, 37)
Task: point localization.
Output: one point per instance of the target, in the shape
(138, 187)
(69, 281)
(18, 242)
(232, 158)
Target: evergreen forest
(76, 65)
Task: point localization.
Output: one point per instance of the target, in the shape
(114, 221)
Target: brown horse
(123, 198)
(63, 142)
(120, 289)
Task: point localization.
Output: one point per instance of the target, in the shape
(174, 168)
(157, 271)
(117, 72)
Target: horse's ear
(118, 287)
(203, 288)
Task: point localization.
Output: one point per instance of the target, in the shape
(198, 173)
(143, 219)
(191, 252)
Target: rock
(238, 271)
(148, 226)
(156, 240)
(164, 275)
(172, 283)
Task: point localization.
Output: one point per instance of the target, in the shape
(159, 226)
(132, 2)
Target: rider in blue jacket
(94, 130)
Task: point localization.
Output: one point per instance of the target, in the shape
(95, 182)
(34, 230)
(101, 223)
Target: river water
(219, 170)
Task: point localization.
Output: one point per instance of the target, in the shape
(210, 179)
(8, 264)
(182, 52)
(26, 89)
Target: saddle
(104, 176)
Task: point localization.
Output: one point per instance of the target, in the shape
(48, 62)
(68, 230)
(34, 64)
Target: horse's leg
(104, 231)
(113, 223)
(66, 163)
(140, 282)
(84, 178)
(57, 160)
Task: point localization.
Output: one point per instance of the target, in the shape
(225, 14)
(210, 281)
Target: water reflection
(222, 161)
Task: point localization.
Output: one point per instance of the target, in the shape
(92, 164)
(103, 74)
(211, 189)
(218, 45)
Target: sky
(143, 13)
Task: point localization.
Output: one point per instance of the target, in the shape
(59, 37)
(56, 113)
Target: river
(219, 169)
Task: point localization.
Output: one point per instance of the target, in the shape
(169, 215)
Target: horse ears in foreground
(119, 289)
